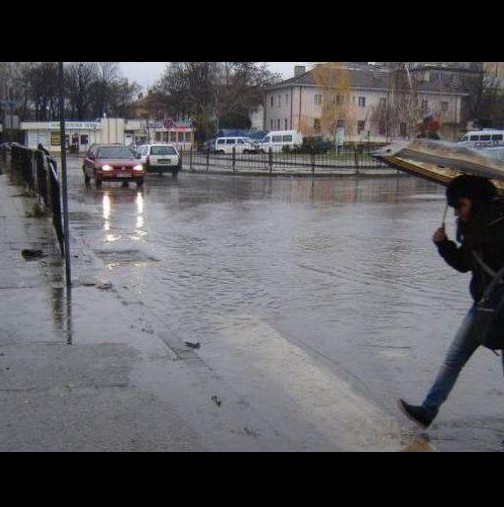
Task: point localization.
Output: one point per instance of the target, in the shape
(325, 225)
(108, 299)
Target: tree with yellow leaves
(333, 79)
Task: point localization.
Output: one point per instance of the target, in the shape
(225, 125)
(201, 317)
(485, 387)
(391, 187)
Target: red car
(112, 162)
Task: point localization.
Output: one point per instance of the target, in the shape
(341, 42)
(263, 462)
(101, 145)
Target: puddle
(118, 258)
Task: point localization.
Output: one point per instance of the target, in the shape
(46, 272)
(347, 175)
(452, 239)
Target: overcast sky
(146, 73)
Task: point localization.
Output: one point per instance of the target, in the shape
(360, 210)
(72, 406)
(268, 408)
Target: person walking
(480, 238)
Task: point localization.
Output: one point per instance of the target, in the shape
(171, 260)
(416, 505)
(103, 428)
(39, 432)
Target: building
(81, 134)
(368, 102)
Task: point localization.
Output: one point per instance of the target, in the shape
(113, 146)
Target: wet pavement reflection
(341, 268)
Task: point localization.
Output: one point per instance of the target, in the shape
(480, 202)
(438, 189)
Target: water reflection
(113, 218)
(140, 210)
(350, 189)
(106, 211)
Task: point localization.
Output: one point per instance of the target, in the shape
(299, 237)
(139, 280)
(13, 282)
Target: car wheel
(140, 182)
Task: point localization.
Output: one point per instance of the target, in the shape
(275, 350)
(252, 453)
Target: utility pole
(64, 179)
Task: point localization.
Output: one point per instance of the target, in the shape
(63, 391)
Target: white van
(277, 139)
(485, 137)
(240, 144)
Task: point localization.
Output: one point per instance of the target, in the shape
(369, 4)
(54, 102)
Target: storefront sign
(76, 125)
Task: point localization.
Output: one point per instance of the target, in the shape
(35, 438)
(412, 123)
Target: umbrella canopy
(441, 161)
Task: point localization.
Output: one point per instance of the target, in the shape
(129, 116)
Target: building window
(279, 101)
(84, 139)
(272, 101)
(317, 125)
(382, 128)
(362, 101)
(361, 125)
(318, 100)
(403, 129)
(425, 105)
(444, 106)
(339, 100)
(286, 99)
(285, 124)
(383, 103)
(278, 124)
(271, 125)
(340, 124)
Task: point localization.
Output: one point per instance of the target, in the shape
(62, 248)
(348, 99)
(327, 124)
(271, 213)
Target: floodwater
(268, 275)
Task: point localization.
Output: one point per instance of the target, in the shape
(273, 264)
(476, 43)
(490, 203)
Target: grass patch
(24, 193)
(37, 211)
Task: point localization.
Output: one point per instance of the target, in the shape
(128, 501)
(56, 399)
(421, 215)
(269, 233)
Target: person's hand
(439, 235)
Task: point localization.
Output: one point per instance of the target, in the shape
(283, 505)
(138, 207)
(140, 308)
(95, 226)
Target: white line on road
(307, 390)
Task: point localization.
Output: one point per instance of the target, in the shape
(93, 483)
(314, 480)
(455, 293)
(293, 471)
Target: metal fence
(38, 171)
(347, 160)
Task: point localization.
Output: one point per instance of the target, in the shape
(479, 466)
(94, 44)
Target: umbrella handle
(443, 222)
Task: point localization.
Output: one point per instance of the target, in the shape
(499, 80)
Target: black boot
(418, 414)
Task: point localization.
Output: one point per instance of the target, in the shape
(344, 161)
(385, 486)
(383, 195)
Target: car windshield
(115, 152)
(163, 150)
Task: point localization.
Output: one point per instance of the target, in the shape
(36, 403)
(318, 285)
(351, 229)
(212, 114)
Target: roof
(370, 77)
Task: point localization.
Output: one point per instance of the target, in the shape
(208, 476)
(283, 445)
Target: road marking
(312, 392)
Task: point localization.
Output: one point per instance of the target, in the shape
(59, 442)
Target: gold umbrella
(441, 161)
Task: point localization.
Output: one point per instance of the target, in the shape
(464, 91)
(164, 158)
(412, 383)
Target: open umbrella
(441, 161)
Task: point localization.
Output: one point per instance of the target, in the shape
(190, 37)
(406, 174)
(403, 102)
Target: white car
(159, 158)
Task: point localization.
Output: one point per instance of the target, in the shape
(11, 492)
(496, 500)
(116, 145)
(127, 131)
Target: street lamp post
(64, 180)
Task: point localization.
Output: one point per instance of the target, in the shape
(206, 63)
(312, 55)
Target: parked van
(240, 144)
(277, 139)
(485, 137)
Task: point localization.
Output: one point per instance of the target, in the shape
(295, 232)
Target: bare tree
(42, 84)
(213, 94)
(107, 76)
(13, 88)
(121, 94)
(241, 92)
(79, 80)
(487, 104)
(398, 113)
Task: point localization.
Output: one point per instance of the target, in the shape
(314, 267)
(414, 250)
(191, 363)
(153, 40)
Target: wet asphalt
(224, 313)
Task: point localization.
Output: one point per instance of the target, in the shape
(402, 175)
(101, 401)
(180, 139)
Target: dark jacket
(487, 240)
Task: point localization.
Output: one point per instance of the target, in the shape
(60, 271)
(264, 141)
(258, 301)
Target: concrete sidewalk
(56, 396)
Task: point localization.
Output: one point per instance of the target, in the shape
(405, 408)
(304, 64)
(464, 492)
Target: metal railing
(38, 171)
(347, 160)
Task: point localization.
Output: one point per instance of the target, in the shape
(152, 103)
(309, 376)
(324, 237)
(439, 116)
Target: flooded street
(290, 288)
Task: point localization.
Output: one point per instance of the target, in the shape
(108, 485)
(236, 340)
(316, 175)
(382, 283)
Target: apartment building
(376, 103)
